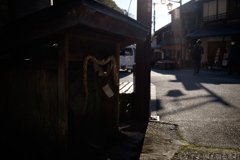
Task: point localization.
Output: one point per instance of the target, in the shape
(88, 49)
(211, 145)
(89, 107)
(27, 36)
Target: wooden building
(42, 78)
(169, 36)
(220, 21)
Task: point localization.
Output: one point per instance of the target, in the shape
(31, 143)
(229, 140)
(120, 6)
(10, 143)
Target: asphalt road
(206, 107)
(125, 76)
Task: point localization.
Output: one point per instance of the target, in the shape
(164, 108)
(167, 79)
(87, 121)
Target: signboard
(225, 58)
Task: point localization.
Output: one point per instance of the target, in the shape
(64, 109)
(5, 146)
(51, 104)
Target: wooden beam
(63, 94)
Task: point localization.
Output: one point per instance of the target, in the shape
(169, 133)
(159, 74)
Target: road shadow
(128, 144)
(194, 83)
(124, 74)
(175, 93)
(156, 106)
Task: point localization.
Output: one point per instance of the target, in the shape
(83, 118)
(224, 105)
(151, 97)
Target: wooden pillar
(143, 58)
(116, 91)
(63, 94)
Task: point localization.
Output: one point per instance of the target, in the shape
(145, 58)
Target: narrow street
(199, 118)
(206, 107)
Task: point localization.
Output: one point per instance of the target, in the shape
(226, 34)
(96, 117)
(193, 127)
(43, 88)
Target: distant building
(169, 36)
(220, 22)
(212, 21)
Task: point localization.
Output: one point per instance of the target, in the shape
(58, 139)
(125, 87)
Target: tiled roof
(216, 31)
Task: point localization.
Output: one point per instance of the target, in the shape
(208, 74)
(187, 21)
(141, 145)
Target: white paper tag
(108, 91)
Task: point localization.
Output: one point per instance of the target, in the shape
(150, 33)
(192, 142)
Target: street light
(169, 6)
(163, 1)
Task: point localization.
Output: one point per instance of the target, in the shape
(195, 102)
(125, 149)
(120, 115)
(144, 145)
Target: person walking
(197, 56)
(233, 58)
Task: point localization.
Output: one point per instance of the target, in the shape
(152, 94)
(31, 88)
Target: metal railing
(223, 16)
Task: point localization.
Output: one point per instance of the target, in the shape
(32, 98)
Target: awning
(216, 31)
(156, 47)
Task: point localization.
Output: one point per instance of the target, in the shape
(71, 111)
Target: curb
(153, 102)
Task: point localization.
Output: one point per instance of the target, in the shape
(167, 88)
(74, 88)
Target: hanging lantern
(169, 6)
(163, 1)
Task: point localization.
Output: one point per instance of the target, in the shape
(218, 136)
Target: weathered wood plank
(122, 85)
(130, 91)
(63, 93)
(126, 88)
(4, 103)
(32, 108)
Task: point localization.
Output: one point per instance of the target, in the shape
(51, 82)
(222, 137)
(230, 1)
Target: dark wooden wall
(29, 99)
(42, 99)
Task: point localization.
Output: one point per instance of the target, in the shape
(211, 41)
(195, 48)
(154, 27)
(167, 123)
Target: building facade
(179, 27)
(215, 22)
(220, 23)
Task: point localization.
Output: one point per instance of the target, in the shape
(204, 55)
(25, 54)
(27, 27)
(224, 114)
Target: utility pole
(129, 7)
(181, 32)
(143, 58)
(154, 18)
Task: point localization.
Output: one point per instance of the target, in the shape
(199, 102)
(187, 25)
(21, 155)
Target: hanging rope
(99, 62)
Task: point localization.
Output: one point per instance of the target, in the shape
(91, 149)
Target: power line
(129, 6)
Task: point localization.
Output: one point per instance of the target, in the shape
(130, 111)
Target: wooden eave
(74, 17)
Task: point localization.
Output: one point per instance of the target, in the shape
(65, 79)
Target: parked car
(127, 57)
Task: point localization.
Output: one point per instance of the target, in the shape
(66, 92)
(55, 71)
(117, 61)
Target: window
(222, 6)
(233, 9)
(212, 8)
(126, 52)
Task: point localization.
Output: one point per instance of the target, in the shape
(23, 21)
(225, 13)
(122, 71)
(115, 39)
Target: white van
(127, 57)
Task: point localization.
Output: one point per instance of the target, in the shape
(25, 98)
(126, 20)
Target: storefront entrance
(215, 53)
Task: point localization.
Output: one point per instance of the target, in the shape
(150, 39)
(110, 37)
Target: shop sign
(225, 57)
